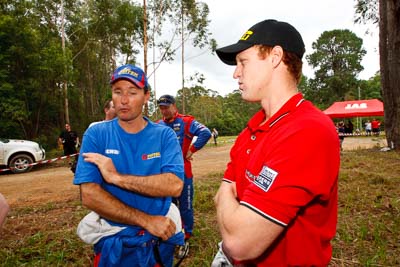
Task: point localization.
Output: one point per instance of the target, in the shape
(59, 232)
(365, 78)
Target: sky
(230, 19)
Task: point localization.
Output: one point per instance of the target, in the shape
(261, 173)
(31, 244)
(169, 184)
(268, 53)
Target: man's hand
(105, 165)
(189, 155)
(161, 226)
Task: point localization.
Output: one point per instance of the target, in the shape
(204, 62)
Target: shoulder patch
(266, 178)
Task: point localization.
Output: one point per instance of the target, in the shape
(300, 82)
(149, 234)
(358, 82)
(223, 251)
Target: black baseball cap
(268, 32)
(166, 100)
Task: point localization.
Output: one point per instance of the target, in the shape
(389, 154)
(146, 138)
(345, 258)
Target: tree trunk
(145, 44)
(65, 82)
(389, 48)
(183, 59)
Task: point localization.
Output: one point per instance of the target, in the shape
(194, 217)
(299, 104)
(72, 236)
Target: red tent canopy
(355, 108)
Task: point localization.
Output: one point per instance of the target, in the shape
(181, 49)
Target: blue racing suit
(186, 127)
(153, 150)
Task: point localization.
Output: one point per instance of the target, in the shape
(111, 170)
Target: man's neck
(272, 103)
(133, 126)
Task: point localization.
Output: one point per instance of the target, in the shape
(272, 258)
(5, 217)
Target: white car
(19, 155)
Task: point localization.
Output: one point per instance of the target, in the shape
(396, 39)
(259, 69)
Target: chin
(245, 96)
(248, 98)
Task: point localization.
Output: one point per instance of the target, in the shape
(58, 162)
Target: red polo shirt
(375, 124)
(286, 170)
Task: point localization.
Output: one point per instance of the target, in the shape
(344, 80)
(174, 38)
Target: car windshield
(4, 140)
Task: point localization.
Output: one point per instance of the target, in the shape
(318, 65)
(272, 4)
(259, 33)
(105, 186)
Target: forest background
(56, 59)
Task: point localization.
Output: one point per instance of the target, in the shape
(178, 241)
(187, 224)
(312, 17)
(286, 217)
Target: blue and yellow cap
(131, 73)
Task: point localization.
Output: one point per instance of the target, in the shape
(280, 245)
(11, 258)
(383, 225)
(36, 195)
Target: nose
(124, 98)
(237, 72)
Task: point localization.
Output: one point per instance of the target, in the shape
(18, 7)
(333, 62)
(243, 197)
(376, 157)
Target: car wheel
(20, 163)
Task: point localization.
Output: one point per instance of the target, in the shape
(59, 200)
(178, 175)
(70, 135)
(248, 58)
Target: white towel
(92, 227)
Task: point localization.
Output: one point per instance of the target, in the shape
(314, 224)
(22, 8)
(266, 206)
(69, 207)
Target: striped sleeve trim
(227, 180)
(272, 219)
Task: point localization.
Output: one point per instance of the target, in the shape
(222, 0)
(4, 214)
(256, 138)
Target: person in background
(70, 142)
(129, 171)
(214, 134)
(4, 209)
(368, 128)
(186, 127)
(69, 139)
(349, 128)
(375, 125)
(277, 203)
(342, 133)
(109, 112)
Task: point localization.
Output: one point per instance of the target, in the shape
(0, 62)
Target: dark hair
(107, 104)
(291, 60)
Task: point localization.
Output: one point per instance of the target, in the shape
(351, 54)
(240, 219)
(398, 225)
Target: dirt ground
(53, 183)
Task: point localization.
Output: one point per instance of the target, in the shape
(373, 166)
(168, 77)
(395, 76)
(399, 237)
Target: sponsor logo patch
(112, 152)
(128, 71)
(266, 178)
(151, 156)
(176, 127)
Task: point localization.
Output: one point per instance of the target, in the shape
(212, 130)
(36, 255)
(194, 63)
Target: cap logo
(246, 35)
(129, 71)
(166, 99)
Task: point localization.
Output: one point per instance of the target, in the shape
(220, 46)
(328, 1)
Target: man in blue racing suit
(129, 171)
(186, 128)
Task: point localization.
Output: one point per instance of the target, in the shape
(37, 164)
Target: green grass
(368, 231)
(221, 140)
(369, 209)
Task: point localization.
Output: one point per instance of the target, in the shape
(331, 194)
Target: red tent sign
(355, 108)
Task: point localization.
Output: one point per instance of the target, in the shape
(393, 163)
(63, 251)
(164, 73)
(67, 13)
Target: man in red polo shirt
(277, 203)
(375, 125)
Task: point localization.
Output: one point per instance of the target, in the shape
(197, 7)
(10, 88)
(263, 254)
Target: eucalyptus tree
(31, 66)
(101, 35)
(336, 59)
(204, 104)
(386, 14)
(228, 114)
(34, 66)
(236, 113)
(200, 102)
(303, 86)
(187, 19)
(371, 88)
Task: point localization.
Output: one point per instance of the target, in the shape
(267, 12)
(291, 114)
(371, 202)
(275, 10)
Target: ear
(147, 96)
(276, 55)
